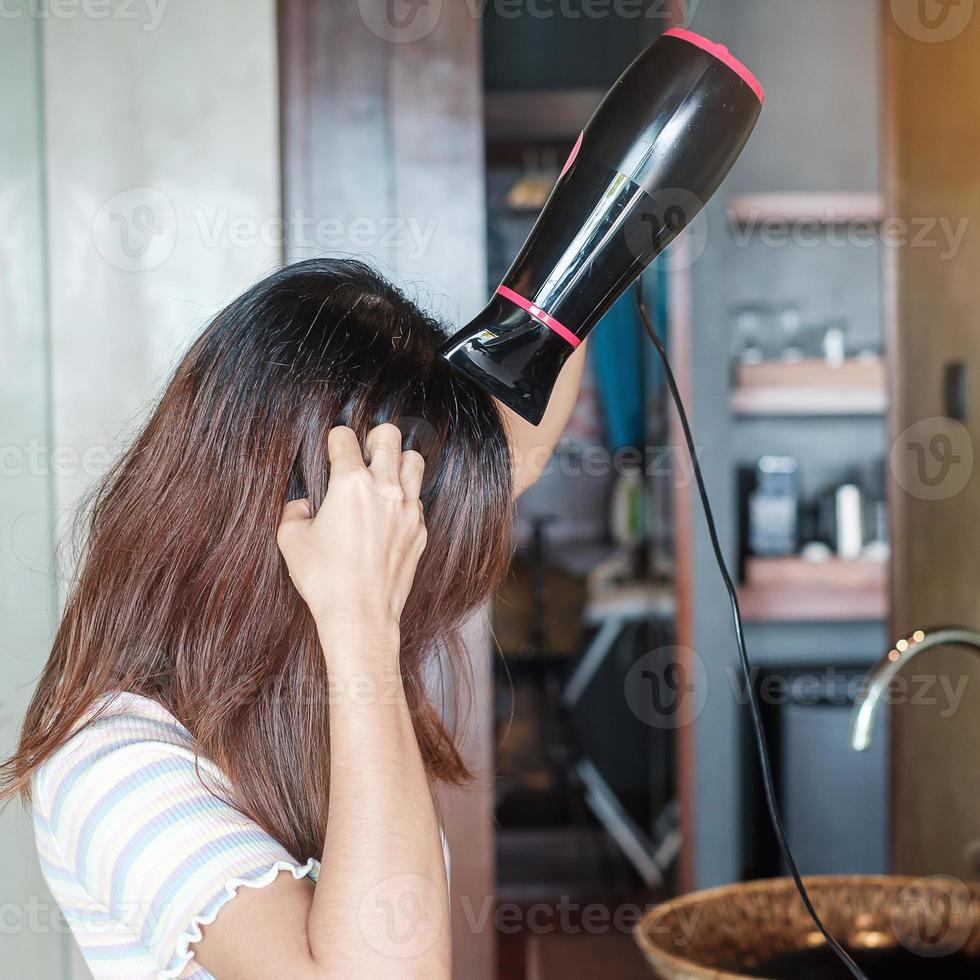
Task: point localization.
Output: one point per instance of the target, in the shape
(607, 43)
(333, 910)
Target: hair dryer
(657, 147)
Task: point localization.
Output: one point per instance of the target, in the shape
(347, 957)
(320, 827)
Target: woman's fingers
(399, 472)
(384, 450)
(296, 510)
(344, 450)
(368, 534)
(295, 515)
(412, 471)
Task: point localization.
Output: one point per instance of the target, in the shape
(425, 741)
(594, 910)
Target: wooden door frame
(294, 39)
(467, 814)
(889, 290)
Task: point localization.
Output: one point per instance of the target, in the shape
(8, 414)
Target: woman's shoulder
(121, 732)
(125, 708)
(138, 845)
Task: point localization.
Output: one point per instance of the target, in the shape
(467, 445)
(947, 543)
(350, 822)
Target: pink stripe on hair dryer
(656, 149)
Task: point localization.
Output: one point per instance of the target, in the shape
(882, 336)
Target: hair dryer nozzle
(654, 152)
(510, 351)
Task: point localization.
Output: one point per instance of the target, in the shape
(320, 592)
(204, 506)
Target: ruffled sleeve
(136, 848)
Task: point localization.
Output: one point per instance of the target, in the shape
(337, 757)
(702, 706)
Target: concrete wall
(139, 186)
(31, 945)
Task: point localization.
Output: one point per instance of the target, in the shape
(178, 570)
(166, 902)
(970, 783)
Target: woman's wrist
(363, 669)
(359, 643)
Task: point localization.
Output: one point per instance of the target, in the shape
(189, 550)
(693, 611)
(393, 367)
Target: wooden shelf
(810, 387)
(750, 210)
(785, 590)
(804, 401)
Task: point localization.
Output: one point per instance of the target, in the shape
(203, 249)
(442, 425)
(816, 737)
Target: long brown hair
(182, 595)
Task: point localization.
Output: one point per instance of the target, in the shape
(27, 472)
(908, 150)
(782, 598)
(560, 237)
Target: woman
(235, 706)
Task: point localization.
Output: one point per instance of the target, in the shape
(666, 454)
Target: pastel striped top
(137, 851)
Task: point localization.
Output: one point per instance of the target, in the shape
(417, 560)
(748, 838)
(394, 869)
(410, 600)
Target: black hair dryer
(656, 149)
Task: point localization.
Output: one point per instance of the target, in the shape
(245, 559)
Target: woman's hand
(380, 907)
(354, 563)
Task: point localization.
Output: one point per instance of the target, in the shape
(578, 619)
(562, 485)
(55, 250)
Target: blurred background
(158, 156)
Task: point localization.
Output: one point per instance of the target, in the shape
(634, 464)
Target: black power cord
(757, 729)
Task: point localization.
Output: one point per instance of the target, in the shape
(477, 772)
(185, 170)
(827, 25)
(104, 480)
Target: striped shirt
(136, 850)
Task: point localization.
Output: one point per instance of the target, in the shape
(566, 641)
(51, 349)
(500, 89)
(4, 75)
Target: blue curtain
(621, 351)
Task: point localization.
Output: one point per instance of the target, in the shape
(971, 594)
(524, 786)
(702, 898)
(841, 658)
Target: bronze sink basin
(899, 928)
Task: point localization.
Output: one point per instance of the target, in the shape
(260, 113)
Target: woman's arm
(381, 906)
(532, 445)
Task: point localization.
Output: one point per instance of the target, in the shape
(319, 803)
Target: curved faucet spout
(866, 709)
